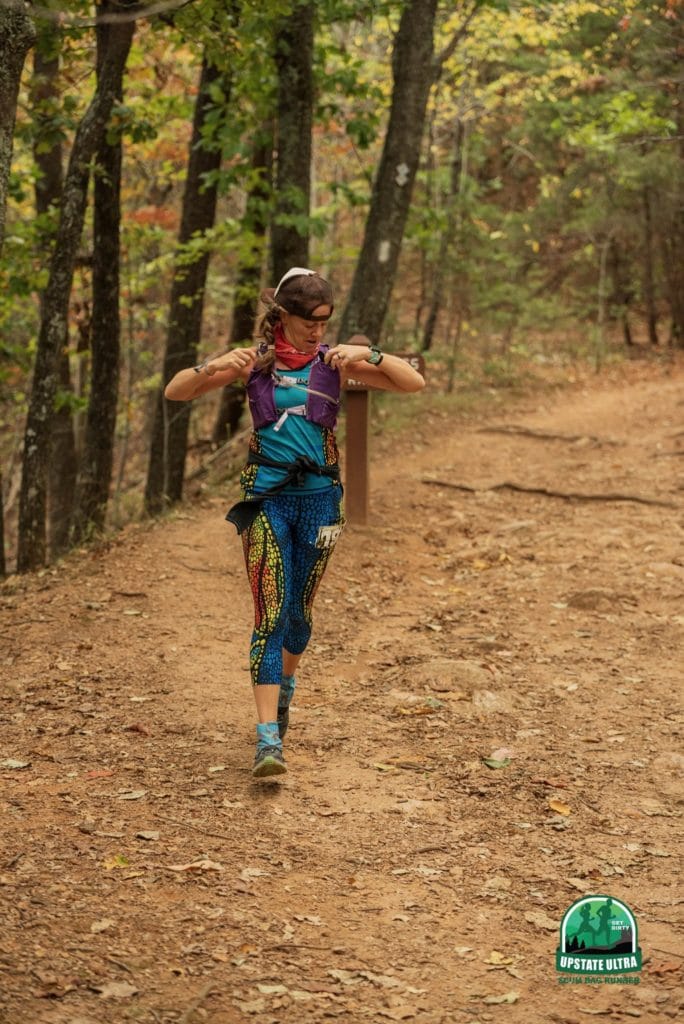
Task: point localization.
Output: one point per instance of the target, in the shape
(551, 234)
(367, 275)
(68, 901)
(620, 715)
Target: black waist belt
(243, 513)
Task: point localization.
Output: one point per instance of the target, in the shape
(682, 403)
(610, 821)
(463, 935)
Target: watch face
(375, 357)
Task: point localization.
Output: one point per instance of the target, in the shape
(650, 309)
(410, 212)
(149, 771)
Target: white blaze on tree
(403, 175)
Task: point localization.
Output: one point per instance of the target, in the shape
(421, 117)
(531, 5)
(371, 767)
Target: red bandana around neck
(288, 354)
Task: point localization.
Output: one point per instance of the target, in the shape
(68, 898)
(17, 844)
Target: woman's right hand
(215, 372)
(240, 359)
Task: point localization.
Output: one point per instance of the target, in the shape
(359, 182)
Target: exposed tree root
(545, 492)
(545, 435)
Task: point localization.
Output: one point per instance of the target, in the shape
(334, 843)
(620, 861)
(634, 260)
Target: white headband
(293, 272)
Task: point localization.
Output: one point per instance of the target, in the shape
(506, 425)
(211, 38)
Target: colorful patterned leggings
(287, 549)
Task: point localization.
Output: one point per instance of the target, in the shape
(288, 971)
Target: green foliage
(572, 124)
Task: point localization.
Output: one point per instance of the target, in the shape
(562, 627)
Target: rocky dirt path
(392, 875)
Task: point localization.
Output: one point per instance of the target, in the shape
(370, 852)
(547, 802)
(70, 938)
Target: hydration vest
(322, 394)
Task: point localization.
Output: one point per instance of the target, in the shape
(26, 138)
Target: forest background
(485, 182)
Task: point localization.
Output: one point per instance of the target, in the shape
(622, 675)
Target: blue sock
(267, 734)
(287, 688)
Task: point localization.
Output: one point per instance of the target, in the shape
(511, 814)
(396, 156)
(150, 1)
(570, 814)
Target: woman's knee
(297, 635)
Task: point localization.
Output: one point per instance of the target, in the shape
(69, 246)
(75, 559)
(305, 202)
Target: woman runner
(290, 515)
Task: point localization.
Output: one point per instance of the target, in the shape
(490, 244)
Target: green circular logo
(598, 935)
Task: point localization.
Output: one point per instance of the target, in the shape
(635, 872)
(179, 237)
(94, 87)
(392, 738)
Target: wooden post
(356, 457)
(357, 447)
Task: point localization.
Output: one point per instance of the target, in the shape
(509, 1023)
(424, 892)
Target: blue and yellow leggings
(287, 549)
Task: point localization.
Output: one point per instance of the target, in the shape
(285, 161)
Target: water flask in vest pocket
(327, 536)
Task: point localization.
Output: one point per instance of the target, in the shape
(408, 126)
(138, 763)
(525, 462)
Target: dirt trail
(391, 875)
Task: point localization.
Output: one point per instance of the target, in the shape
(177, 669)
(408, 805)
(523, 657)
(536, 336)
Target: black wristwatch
(375, 357)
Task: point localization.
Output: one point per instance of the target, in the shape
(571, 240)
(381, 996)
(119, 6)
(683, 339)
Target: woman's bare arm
(216, 372)
(393, 373)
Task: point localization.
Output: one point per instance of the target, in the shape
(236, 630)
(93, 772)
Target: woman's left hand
(340, 356)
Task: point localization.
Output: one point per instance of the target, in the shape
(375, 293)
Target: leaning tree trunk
(247, 284)
(413, 71)
(169, 442)
(95, 471)
(294, 61)
(53, 333)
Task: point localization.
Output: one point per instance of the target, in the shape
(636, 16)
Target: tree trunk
(447, 239)
(413, 70)
(247, 285)
(53, 332)
(622, 292)
(3, 563)
(672, 242)
(294, 61)
(168, 446)
(45, 102)
(649, 276)
(47, 157)
(98, 451)
(17, 36)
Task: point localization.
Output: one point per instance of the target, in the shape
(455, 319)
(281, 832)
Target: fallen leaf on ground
(498, 958)
(55, 990)
(252, 1006)
(358, 977)
(669, 967)
(116, 990)
(398, 1012)
(507, 997)
(559, 807)
(101, 926)
(118, 860)
(99, 773)
(502, 754)
(412, 766)
(248, 873)
(10, 762)
(419, 709)
(541, 920)
(149, 836)
(554, 783)
(578, 883)
(197, 865)
(493, 762)
(133, 794)
(309, 919)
